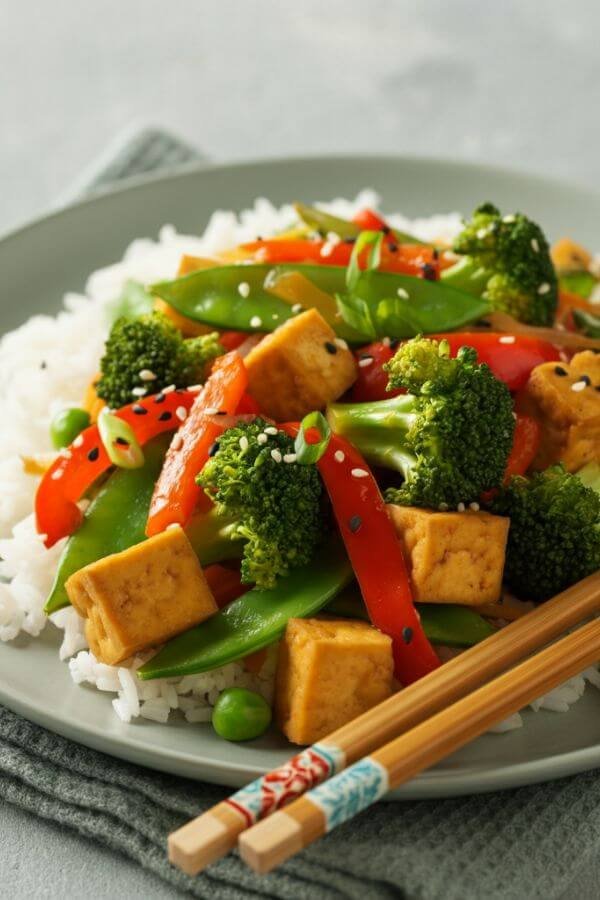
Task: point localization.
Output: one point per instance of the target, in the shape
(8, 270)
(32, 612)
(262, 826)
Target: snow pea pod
(255, 620)
(380, 304)
(443, 623)
(114, 521)
(324, 223)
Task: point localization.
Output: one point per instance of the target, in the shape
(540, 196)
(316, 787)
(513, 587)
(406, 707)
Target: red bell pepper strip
(224, 583)
(75, 470)
(231, 340)
(510, 357)
(376, 556)
(526, 443)
(176, 493)
(369, 220)
(408, 259)
(371, 380)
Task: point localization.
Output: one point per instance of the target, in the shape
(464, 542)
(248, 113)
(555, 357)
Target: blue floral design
(351, 791)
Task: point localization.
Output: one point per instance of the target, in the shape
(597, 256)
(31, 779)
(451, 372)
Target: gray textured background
(509, 82)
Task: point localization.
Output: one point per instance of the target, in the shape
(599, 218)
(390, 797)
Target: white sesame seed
(275, 316)
(339, 456)
(243, 289)
(169, 389)
(270, 429)
(535, 245)
(78, 441)
(403, 293)
(507, 339)
(365, 361)
(474, 507)
(244, 442)
(211, 411)
(289, 458)
(172, 525)
(255, 322)
(297, 307)
(386, 341)
(579, 386)
(177, 442)
(181, 413)
(147, 375)
(58, 473)
(195, 388)
(139, 391)
(509, 219)
(65, 453)
(543, 288)
(359, 473)
(276, 455)
(461, 507)
(262, 439)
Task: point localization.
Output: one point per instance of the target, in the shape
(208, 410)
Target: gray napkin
(537, 842)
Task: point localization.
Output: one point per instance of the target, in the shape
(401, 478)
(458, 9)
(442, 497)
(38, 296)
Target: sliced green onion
(371, 239)
(120, 441)
(308, 454)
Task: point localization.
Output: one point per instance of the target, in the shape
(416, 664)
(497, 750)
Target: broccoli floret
(450, 438)
(554, 536)
(506, 260)
(274, 501)
(152, 346)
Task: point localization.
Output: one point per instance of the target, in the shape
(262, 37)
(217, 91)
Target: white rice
(46, 365)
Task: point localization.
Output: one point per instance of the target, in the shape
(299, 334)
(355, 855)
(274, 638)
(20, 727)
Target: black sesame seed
(349, 240)
(330, 347)
(394, 344)
(393, 248)
(354, 523)
(213, 448)
(43, 364)
(558, 370)
(160, 398)
(165, 416)
(122, 442)
(221, 412)
(259, 237)
(93, 454)
(386, 229)
(586, 379)
(407, 634)
(428, 271)
(139, 410)
(597, 388)
(436, 253)
(483, 323)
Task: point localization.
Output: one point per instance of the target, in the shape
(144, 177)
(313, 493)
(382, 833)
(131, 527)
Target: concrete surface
(512, 82)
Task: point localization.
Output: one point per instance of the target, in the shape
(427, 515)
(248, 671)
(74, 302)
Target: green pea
(67, 424)
(240, 715)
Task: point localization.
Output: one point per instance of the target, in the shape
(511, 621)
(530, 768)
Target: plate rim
(133, 748)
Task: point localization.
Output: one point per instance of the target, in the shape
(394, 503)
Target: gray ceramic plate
(43, 260)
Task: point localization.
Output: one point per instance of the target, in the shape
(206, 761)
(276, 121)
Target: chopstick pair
(399, 738)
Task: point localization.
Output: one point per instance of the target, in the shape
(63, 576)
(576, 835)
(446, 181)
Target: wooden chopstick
(272, 841)
(213, 834)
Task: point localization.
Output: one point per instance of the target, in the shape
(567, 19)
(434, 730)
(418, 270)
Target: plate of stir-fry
(256, 481)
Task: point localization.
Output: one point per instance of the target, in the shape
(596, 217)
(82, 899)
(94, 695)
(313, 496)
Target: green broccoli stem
(378, 430)
(467, 275)
(213, 537)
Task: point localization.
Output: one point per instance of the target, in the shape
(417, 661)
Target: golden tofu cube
(452, 557)
(565, 400)
(329, 671)
(141, 597)
(299, 367)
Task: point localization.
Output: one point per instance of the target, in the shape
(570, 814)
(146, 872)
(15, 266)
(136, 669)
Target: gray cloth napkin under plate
(529, 843)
